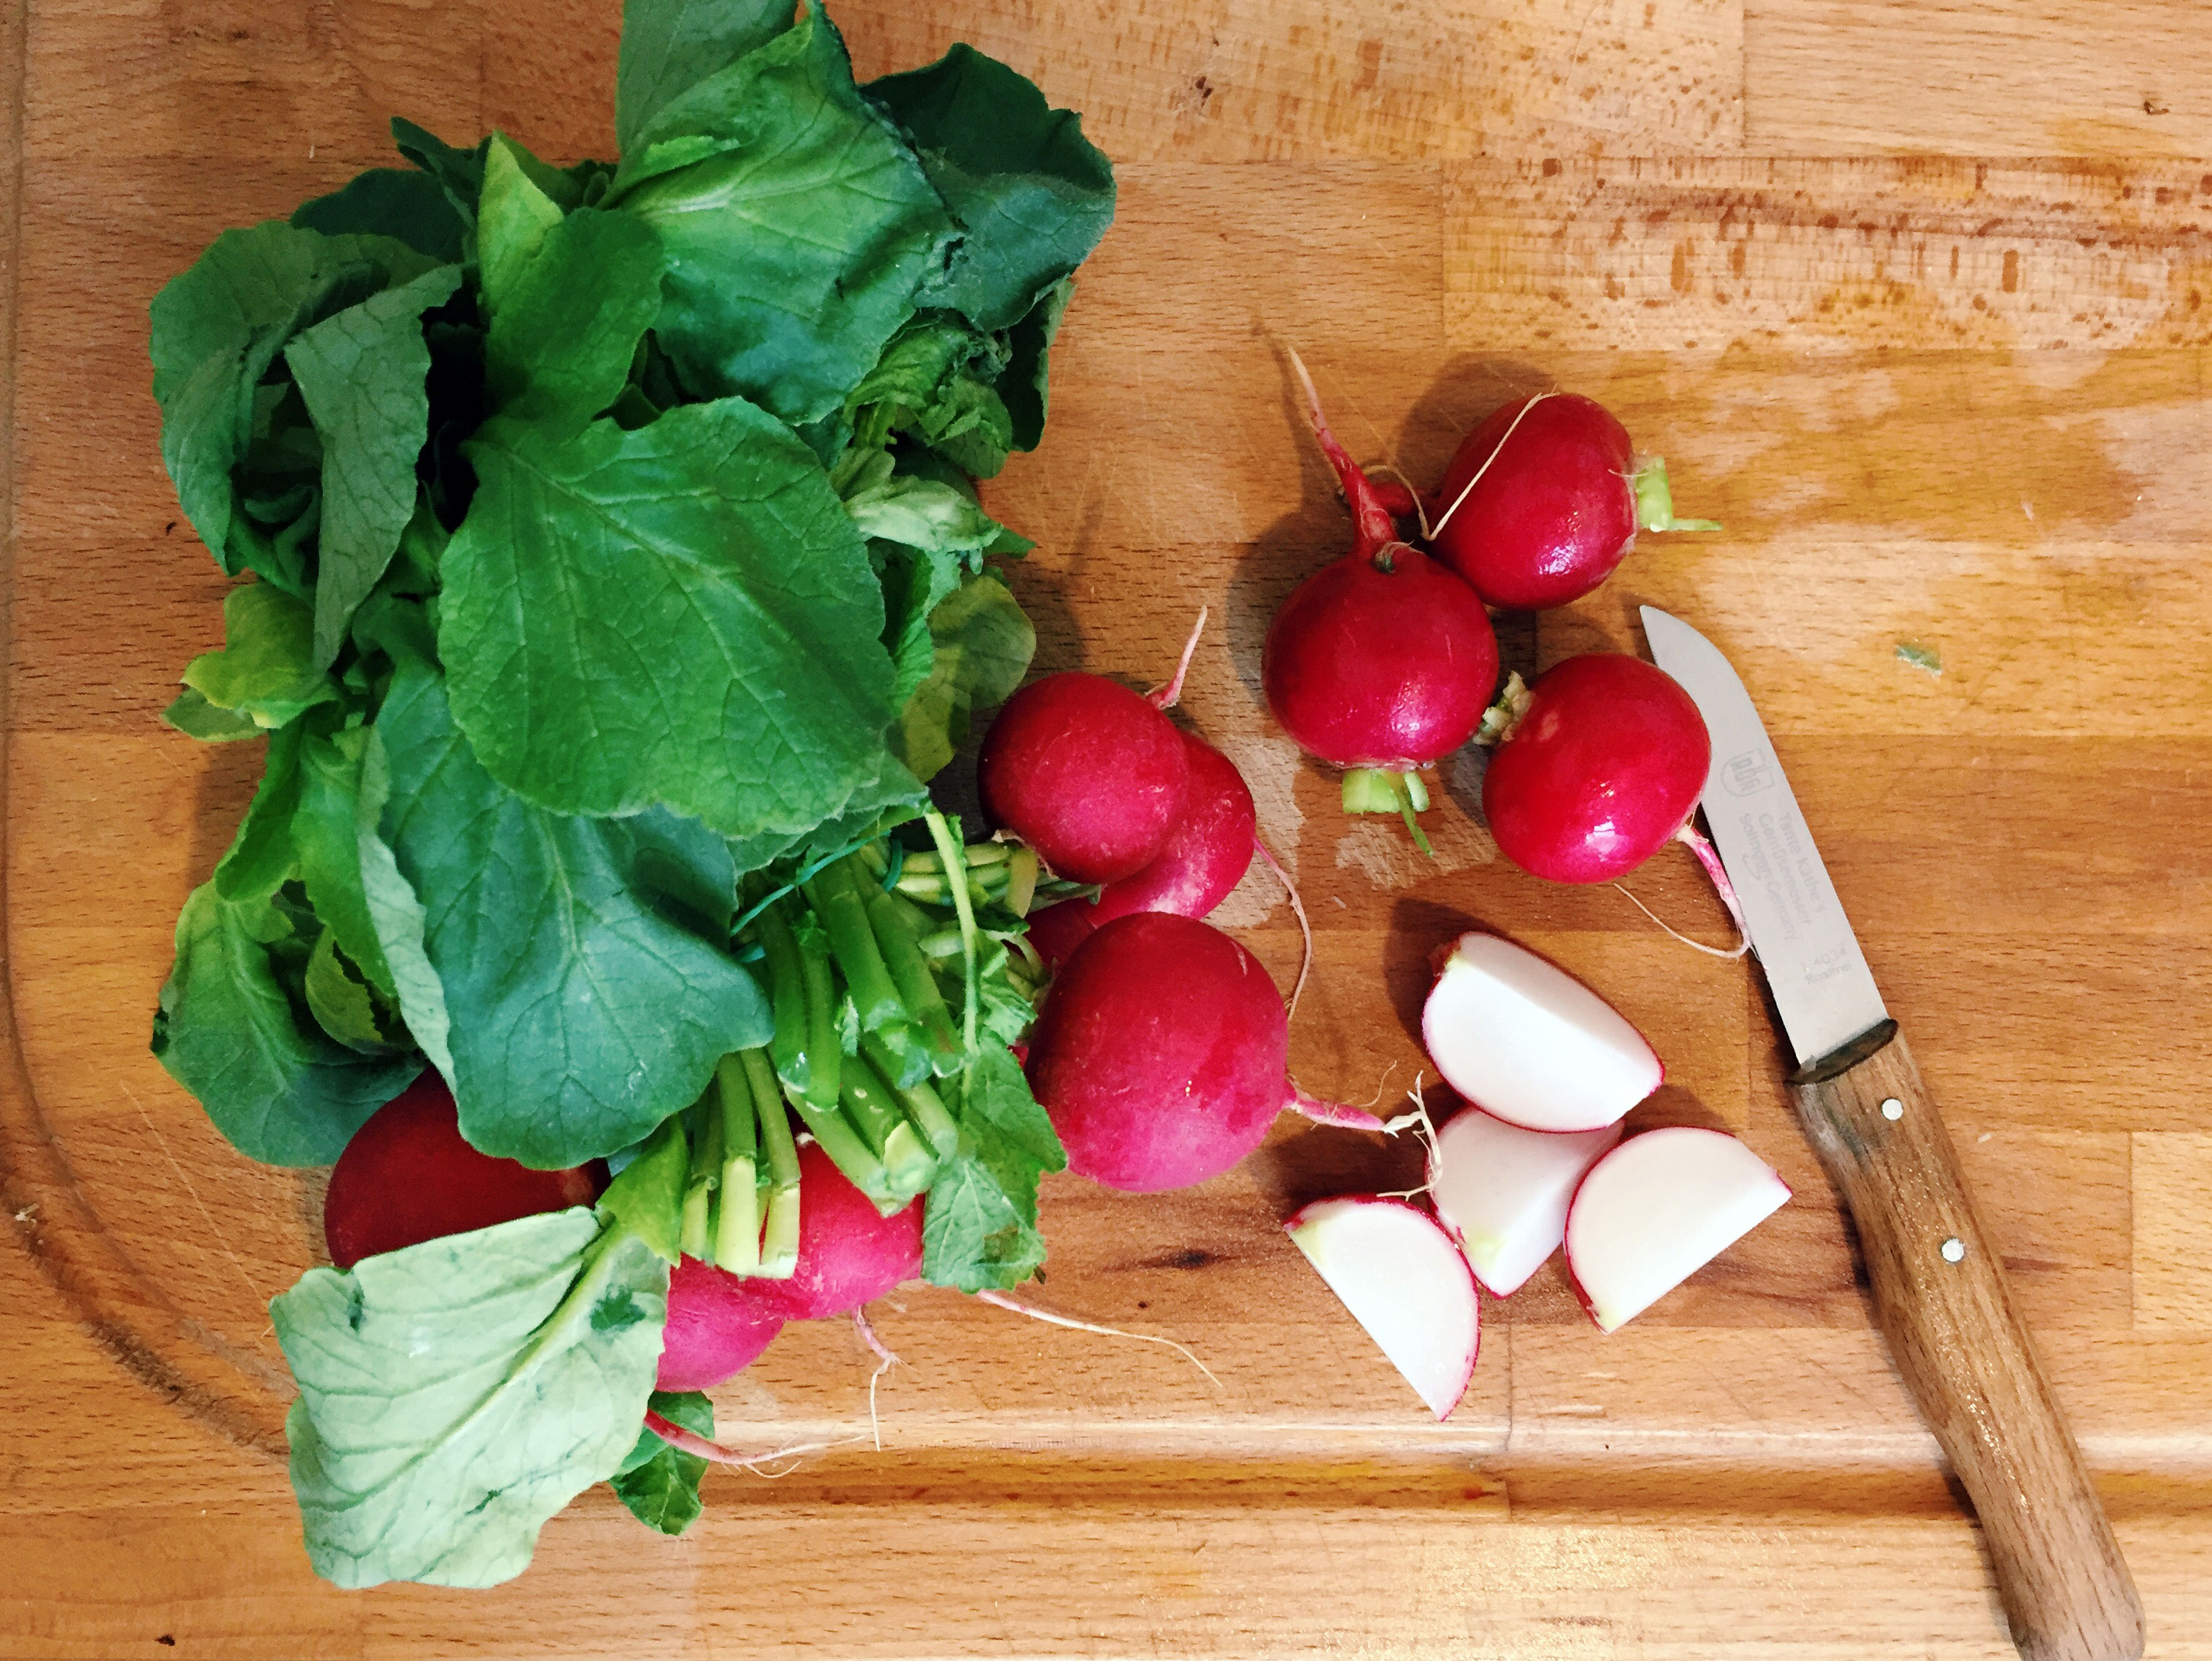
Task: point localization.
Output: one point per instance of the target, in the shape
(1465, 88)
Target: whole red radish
(1086, 772)
(718, 1325)
(1544, 499)
(408, 1177)
(1605, 765)
(1161, 1055)
(1382, 662)
(849, 1253)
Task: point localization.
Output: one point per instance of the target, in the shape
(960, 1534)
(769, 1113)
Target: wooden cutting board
(1916, 298)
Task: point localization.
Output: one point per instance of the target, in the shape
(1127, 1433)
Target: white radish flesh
(1656, 1210)
(1405, 1281)
(1527, 1041)
(1504, 1191)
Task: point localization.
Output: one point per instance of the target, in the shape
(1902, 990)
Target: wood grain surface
(1915, 298)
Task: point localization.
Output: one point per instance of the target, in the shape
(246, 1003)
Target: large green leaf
(218, 327)
(391, 202)
(362, 375)
(566, 330)
(275, 1086)
(326, 839)
(455, 1395)
(1031, 195)
(579, 1014)
(681, 615)
(797, 223)
(669, 46)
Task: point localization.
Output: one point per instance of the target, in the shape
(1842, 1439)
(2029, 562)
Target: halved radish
(1527, 1043)
(1405, 1282)
(1504, 1191)
(1656, 1210)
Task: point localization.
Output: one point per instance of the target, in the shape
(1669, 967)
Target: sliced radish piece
(1504, 1191)
(1656, 1210)
(1403, 1280)
(1527, 1041)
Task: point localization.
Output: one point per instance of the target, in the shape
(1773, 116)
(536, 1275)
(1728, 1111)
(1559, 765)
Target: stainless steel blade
(1820, 977)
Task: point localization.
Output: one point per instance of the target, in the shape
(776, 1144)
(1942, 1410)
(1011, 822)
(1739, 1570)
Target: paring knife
(1938, 1288)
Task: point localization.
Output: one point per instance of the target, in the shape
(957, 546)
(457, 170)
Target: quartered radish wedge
(1405, 1281)
(1527, 1043)
(1657, 1209)
(1504, 1191)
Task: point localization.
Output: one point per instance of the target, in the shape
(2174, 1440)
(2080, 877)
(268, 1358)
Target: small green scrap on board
(1920, 657)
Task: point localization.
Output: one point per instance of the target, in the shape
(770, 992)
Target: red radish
(718, 1325)
(1161, 1055)
(1604, 765)
(1405, 1282)
(1503, 1191)
(1057, 930)
(1527, 1043)
(1544, 499)
(1656, 1210)
(849, 1253)
(1382, 662)
(1086, 772)
(408, 1177)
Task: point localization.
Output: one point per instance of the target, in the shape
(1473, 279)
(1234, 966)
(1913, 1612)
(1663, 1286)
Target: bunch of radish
(1384, 663)
(1535, 1161)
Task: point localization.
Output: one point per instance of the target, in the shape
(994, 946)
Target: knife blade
(1938, 1283)
(1821, 984)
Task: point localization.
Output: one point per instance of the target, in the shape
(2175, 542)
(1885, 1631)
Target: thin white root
(1444, 518)
(692, 1442)
(884, 1362)
(1341, 1113)
(1001, 1301)
(1298, 910)
(1163, 697)
(1696, 946)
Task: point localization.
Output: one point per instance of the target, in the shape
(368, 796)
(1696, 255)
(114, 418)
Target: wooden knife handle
(1940, 1299)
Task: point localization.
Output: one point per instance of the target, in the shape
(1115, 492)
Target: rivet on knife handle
(1940, 1299)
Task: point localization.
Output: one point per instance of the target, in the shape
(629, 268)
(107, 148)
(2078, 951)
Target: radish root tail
(999, 1299)
(1444, 518)
(1298, 910)
(1376, 528)
(1707, 856)
(1163, 697)
(692, 1442)
(884, 1362)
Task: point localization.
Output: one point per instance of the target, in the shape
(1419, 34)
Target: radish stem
(736, 1219)
(949, 850)
(779, 1252)
(1655, 501)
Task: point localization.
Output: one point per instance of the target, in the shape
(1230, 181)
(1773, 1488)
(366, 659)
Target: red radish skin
(1057, 930)
(718, 1325)
(1604, 767)
(849, 1254)
(1162, 1054)
(408, 1177)
(1086, 772)
(1384, 658)
(1556, 499)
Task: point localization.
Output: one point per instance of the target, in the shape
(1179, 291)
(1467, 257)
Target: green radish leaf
(362, 373)
(325, 837)
(341, 1003)
(191, 715)
(459, 174)
(453, 1396)
(1023, 388)
(681, 615)
(566, 330)
(979, 1222)
(512, 220)
(980, 643)
(410, 207)
(647, 1197)
(266, 668)
(660, 1483)
(669, 46)
(921, 512)
(262, 855)
(395, 913)
(1030, 194)
(797, 224)
(578, 1016)
(217, 330)
(227, 1029)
